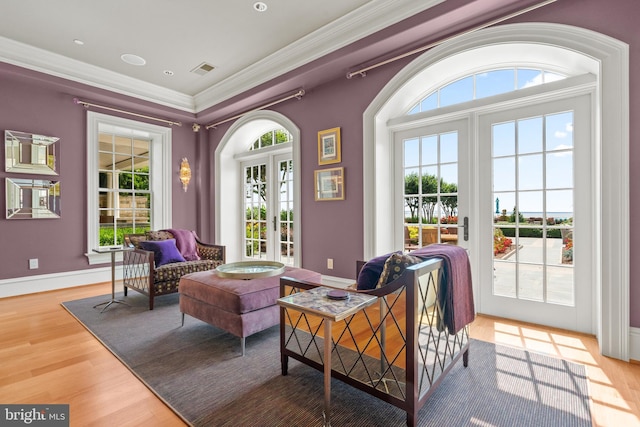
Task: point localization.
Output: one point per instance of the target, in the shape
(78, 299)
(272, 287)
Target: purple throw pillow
(186, 243)
(370, 272)
(164, 251)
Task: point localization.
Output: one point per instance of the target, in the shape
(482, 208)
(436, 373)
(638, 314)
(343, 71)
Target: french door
(522, 177)
(434, 181)
(268, 209)
(535, 211)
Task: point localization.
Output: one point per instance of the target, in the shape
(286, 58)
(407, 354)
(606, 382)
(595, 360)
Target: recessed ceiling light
(132, 59)
(168, 73)
(260, 6)
(78, 42)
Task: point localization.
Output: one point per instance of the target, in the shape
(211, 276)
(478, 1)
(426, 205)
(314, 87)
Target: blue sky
(542, 146)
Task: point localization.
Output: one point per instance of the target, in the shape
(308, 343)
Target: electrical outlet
(33, 264)
(330, 263)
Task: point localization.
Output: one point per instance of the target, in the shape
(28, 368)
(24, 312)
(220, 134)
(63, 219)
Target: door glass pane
(504, 278)
(530, 135)
(530, 282)
(560, 169)
(412, 152)
(504, 174)
(429, 153)
(431, 191)
(530, 172)
(504, 139)
(559, 131)
(285, 183)
(560, 285)
(449, 148)
(533, 223)
(255, 212)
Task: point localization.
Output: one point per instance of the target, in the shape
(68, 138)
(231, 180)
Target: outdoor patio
(530, 256)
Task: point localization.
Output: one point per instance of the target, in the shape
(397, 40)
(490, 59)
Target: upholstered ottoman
(240, 307)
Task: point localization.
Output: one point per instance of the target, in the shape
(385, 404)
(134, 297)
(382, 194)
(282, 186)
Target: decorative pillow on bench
(164, 251)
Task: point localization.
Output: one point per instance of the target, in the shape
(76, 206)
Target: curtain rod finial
(78, 102)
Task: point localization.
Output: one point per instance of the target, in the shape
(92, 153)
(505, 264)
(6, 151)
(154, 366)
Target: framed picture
(329, 184)
(329, 146)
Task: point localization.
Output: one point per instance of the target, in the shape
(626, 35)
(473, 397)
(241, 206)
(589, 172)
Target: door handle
(275, 223)
(465, 226)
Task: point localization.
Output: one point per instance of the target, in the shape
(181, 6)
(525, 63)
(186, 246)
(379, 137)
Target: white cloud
(537, 80)
(569, 127)
(560, 134)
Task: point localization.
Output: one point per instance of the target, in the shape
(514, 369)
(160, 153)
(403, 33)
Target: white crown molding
(366, 20)
(32, 58)
(352, 27)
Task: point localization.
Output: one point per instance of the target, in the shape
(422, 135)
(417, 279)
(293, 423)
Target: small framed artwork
(329, 146)
(329, 184)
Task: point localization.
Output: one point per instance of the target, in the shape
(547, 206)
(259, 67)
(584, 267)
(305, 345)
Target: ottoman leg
(242, 344)
(182, 319)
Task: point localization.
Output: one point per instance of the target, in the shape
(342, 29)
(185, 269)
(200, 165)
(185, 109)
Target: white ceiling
(245, 46)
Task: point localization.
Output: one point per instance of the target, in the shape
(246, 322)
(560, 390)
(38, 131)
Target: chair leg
(182, 319)
(242, 344)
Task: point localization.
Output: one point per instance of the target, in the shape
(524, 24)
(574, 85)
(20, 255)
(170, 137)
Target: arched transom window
(482, 85)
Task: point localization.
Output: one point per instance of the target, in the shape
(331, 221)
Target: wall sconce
(185, 173)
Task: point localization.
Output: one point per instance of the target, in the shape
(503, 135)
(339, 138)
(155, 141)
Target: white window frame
(160, 178)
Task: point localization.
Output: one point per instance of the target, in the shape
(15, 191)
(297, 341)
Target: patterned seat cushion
(176, 270)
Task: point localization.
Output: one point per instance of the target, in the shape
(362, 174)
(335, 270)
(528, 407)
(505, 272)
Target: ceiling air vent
(203, 69)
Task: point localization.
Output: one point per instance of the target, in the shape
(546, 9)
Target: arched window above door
(484, 84)
(271, 138)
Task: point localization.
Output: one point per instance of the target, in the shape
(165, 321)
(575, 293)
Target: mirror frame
(23, 194)
(30, 153)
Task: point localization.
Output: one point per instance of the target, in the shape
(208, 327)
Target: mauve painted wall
(334, 229)
(38, 104)
(330, 229)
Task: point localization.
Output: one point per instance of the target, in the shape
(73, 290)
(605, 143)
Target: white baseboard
(50, 282)
(634, 344)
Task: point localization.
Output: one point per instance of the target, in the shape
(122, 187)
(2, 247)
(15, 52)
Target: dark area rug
(198, 371)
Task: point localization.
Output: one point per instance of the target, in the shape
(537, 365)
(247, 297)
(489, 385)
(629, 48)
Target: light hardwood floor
(47, 357)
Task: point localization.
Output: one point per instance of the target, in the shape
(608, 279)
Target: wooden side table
(316, 302)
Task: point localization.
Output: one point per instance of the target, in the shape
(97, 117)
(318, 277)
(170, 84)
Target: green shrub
(553, 233)
(106, 235)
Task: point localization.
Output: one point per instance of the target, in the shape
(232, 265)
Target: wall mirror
(30, 153)
(32, 198)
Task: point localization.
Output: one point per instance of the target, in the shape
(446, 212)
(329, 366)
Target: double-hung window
(128, 189)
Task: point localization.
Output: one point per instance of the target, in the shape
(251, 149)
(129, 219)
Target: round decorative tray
(250, 269)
